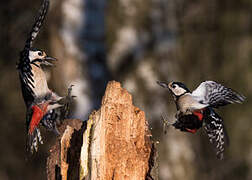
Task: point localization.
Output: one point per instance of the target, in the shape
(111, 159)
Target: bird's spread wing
(215, 95)
(215, 130)
(38, 23)
(24, 66)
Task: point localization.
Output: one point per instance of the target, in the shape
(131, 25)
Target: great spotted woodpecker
(42, 104)
(196, 109)
(32, 77)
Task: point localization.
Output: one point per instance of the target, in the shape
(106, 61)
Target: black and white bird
(42, 104)
(196, 109)
(32, 77)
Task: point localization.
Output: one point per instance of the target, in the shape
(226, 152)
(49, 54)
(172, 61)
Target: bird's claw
(69, 98)
(166, 124)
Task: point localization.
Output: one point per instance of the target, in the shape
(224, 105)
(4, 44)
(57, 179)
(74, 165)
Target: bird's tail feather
(33, 140)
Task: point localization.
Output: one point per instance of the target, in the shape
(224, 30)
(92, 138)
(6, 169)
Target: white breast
(40, 84)
(188, 103)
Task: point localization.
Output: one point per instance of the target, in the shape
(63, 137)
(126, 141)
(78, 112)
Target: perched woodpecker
(196, 109)
(42, 104)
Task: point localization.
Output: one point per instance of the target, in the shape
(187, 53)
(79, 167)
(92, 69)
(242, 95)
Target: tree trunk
(113, 144)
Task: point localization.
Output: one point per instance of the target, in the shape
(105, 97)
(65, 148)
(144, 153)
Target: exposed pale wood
(84, 169)
(113, 144)
(121, 146)
(65, 144)
(54, 159)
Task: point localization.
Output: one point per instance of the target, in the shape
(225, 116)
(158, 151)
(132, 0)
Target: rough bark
(64, 154)
(114, 143)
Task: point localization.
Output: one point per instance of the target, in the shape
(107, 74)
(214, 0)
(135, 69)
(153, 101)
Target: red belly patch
(191, 130)
(199, 114)
(37, 115)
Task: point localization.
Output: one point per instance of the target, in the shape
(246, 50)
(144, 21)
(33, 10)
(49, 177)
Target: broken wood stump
(115, 143)
(65, 151)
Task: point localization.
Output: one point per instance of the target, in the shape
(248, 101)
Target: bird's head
(39, 57)
(177, 89)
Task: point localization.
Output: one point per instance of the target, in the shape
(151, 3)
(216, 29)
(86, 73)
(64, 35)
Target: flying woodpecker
(196, 109)
(42, 103)
(32, 77)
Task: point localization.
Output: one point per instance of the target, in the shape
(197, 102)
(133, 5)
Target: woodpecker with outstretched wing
(42, 104)
(196, 109)
(32, 77)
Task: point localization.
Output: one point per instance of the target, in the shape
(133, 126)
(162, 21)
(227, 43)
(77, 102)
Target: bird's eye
(40, 53)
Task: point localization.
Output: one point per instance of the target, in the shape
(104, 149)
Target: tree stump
(113, 144)
(65, 153)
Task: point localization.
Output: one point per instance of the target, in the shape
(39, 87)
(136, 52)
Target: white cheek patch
(179, 91)
(33, 55)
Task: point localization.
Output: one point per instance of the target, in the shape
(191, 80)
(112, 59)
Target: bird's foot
(166, 124)
(68, 100)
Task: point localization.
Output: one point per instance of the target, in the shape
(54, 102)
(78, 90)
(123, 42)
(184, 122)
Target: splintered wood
(65, 144)
(59, 157)
(114, 144)
(120, 143)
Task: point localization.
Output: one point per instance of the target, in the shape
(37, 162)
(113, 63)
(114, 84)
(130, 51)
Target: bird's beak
(162, 84)
(47, 59)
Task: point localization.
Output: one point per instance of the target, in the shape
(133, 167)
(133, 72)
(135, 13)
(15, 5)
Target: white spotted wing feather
(215, 95)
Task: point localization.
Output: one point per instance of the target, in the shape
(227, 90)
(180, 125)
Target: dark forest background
(136, 42)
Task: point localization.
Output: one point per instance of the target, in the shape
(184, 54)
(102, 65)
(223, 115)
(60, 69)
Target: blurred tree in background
(135, 42)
